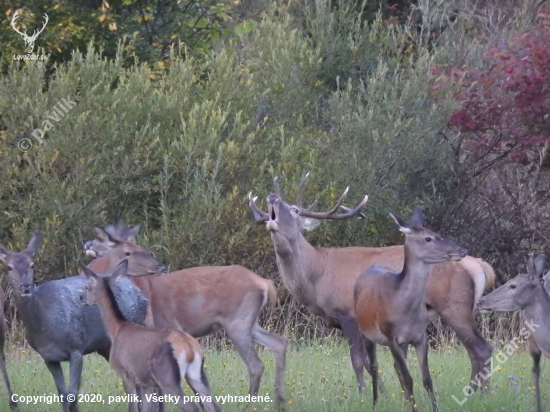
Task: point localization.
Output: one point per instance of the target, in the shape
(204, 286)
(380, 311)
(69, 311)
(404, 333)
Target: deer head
(140, 261)
(425, 245)
(289, 220)
(20, 266)
(120, 232)
(93, 288)
(29, 40)
(519, 292)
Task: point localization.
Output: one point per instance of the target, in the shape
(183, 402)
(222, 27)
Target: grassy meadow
(319, 378)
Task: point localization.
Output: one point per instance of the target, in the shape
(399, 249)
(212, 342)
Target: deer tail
(271, 293)
(490, 275)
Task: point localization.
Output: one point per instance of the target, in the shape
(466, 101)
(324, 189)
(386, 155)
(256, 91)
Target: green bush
(179, 148)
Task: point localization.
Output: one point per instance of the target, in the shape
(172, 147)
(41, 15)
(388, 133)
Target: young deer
(145, 357)
(203, 300)
(525, 292)
(57, 324)
(390, 306)
(322, 279)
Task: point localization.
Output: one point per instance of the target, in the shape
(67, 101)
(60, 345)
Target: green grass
(319, 378)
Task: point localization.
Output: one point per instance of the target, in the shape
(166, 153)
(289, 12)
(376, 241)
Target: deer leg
(400, 365)
(150, 406)
(373, 368)
(422, 355)
(278, 345)
(479, 350)
(13, 404)
(242, 339)
(57, 373)
(198, 381)
(131, 389)
(535, 354)
(75, 373)
(357, 352)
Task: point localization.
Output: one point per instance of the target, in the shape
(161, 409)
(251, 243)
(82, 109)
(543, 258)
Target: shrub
(177, 148)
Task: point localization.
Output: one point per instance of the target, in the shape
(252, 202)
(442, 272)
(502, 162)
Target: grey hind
(58, 325)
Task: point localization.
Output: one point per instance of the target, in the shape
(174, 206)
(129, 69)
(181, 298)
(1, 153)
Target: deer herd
(144, 321)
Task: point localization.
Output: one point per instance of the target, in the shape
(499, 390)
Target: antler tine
(331, 214)
(259, 214)
(276, 185)
(301, 190)
(313, 204)
(15, 16)
(339, 202)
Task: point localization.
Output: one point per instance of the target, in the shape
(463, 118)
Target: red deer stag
(322, 279)
(390, 307)
(161, 359)
(203, 300)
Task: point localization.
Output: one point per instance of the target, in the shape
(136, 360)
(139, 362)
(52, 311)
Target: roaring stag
(322, 279)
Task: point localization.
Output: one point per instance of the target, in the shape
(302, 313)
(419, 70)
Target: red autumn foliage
(505, 108)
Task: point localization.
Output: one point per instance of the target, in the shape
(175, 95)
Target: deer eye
(10, 268)
(512, 286)
(128, 253)
(429, 239)
(294, 209)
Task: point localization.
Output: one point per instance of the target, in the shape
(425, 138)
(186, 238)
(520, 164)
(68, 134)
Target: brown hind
(390, 307)
(203, 300)
(161, 359)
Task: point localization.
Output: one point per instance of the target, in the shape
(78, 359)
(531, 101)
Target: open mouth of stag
(272, 224)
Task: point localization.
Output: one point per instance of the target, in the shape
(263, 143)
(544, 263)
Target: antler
(301, 192)
(259, 214)
(37, 32)
(15, 16)
(331, 214)
(276, 185)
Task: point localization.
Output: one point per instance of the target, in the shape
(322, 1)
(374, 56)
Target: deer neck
(110, 314)
(295, 258)
(102, 264)
(414, 280)
(29, 310)
(538, 310)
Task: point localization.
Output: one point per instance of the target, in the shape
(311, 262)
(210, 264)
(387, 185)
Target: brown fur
(203, 300)
(272, 293)
(182, 343)
(139, 353)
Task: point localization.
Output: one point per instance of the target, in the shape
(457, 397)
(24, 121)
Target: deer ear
(4, 253)
(531, 271)
(403, 227)
(34, 244)
(88, 272)
(105, 237)
(310, 224)
(417, 218)
(539, 263)
(120, 271)
(132, 233)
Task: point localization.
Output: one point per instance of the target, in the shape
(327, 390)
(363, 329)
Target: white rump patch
(478, 276)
